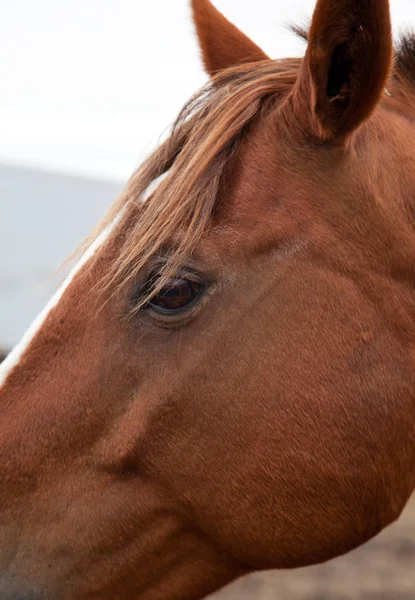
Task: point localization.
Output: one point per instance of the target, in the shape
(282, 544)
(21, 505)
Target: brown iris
(175, 295)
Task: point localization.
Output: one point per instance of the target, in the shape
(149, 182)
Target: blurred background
(88, 88)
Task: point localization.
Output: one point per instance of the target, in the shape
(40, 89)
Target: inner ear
(338, 80)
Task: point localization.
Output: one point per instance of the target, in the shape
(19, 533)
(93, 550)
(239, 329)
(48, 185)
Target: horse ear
(222, 44)
(346, 65)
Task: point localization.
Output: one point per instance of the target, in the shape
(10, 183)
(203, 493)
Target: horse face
(293, 374)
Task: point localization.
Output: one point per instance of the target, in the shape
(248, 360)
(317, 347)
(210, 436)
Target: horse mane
(205, 137)
(405, 58)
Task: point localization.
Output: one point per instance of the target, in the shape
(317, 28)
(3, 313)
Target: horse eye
(175, 295)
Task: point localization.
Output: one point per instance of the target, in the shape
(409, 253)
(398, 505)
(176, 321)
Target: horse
(225, 382)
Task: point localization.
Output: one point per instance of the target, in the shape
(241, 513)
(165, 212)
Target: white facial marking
(16, 354)
(153, 186)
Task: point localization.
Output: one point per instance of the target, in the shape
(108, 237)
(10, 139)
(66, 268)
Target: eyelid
(186, 272)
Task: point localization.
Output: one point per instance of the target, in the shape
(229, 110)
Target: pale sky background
(88, 86)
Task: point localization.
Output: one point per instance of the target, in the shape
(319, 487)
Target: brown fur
(271, 424)
(221, 43)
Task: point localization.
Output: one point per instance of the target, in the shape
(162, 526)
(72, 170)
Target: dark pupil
(175, 294)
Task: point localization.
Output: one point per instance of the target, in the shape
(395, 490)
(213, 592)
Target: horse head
(225, 382)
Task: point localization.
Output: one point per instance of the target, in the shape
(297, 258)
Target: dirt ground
(383, 569)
